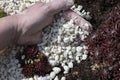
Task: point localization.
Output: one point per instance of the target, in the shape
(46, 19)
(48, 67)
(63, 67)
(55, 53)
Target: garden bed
(100, 11)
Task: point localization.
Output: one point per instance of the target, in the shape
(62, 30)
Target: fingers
(78, 20)
(58, 5)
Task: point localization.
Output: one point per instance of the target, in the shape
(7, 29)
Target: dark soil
(100, 10)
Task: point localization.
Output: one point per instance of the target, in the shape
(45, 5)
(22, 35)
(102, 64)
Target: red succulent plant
(34, 63)
(104, 47)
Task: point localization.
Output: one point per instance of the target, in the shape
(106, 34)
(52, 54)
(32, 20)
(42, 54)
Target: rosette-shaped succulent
(28, 70)
(104, 47)
(30, 52)
(33, 62)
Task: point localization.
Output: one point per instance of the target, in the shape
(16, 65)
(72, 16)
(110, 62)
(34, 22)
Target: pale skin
(25, 28)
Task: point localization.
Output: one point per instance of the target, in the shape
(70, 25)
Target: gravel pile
(16, 6)
(62, 42)
(12, 7)
(10, 67)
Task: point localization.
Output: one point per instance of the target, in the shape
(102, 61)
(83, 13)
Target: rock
(63, 78)
(56, 78)
(52, 75)
(70, 64)
(56, 70)
(66, 69)
(84, 57)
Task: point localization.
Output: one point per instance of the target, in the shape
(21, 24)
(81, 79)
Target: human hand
(34, 19)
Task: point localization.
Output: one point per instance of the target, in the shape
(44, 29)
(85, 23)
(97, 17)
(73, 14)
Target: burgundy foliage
(104, 47)
(34, 63)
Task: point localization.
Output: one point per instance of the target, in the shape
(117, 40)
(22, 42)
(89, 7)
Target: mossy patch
(2, 13)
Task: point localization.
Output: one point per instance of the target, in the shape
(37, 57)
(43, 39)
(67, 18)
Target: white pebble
(56, 78)
(66, 40)
(77, 58)
(56, 57)
(84, 56)
(52, 62)
(56, 70)
(52, 75)
(47, 53)
(78, 49)
(23, 57)
(70, 56)
(59, 39)
(35, 77)
(70, 64)
(68, 48)
(63, 78)
(66, 69)
(82, 37)
(30, 79)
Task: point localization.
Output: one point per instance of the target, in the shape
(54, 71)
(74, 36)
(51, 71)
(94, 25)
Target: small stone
(56, 57)
(77, 58)
(56, 70)
(30, 79)
(70, 56)
(66, 26)
(61, 57)
(68, 48)
(52, 75)
(66, 69)
(40, 78)
(66, 40)
(23, 57)
(80, 32)
(79, 7)
(56, 78)
(35, 77)
(52, 62)
(84, 57)
(63, 78)
(82, 37)
(59, 39)
(78, 49)
(47, 53)
(70, 64)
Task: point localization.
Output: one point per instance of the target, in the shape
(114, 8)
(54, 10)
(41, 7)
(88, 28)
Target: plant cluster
(104, 47)
(33, 62)
(2, 13)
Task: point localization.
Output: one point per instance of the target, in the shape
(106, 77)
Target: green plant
(2, 13)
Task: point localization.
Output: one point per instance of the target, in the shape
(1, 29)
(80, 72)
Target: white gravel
(10, 67)
(59, 43)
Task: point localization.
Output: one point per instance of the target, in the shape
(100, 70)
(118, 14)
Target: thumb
(78, 20)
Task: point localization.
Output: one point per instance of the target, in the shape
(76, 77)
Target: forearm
(8, 31)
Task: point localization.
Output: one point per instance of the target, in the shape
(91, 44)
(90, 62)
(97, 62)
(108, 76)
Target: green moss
(2, 13)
